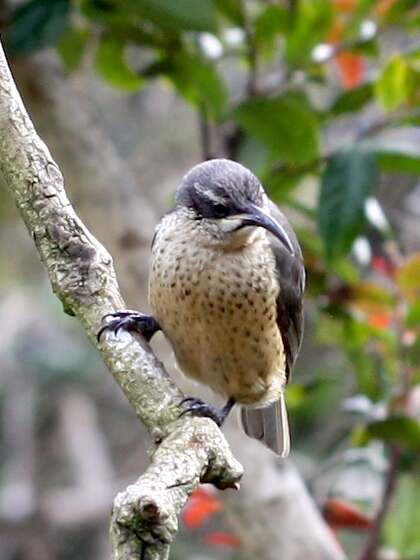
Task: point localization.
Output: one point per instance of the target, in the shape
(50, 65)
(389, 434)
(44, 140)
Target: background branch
(390, 485)
(189, 450)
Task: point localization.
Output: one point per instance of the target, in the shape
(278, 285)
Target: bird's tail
(269, 425)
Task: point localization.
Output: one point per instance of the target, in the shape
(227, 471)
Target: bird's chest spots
(219, 312)
(211, 286)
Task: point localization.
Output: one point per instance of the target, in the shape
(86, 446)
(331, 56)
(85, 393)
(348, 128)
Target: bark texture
(187, 451)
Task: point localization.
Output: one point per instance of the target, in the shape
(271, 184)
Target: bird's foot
(197, 407)
(131, 321)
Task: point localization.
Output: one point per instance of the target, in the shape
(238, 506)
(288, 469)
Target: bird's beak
(255, 216)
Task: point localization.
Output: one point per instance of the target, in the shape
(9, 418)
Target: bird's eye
(219, 210)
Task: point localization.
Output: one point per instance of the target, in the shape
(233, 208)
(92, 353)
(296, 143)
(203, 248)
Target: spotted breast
(217, 307)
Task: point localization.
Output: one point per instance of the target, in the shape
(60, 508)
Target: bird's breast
(218, 310)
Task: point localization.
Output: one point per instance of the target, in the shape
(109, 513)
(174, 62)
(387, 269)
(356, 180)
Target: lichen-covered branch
(187, 450)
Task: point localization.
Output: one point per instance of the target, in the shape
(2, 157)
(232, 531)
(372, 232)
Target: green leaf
(397, 149)
(296, 396)
(107, 12)
(310, 26)
(190, 15)
(285, 124)
(395, 84)
(412, 319)
(126, 21)
(347, 181)
(370, 298)
(346, 271)
(37, 24)
(254, 155)
(352, 100)
(198, 81)
(367, 48)
(401, 429)
(401, 529)
(271, 22)
(355, 337)
(167, 16)
(412, 354)
(72, 46)
(232, 9)
(111, 64)
(360, 12)
(408, 278)
(399, 162)
(281, 185)
(400, 12)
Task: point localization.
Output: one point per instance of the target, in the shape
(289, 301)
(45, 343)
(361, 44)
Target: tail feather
(269, 425)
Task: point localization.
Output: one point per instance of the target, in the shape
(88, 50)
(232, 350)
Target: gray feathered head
(225, 191)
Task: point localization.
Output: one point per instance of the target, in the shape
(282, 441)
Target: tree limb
(187, 450)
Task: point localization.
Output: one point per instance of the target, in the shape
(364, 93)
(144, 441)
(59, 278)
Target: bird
(226, 287)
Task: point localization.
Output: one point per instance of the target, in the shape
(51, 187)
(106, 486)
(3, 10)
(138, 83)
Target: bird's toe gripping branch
(197, 407)
(130, 321)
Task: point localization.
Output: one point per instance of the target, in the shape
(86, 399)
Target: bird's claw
(189, 399)
(197, 407)
(131, 321)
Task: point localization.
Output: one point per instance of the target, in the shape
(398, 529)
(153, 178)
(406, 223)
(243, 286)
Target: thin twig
(251, 54)
(390, 485)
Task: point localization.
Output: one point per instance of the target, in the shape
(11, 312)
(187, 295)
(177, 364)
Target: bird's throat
(242, 238)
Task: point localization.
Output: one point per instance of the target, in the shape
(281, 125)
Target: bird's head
(230, 203)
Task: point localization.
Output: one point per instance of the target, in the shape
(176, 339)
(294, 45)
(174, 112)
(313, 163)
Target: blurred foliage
(401, 528)
(347, 181)
(275, 80)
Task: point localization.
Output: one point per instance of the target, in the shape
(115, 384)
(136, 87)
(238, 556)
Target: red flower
(201, 506)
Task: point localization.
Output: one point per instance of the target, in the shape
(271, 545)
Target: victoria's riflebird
(226, 288)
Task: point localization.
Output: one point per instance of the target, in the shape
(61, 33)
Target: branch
(391, 480)
(187, 450)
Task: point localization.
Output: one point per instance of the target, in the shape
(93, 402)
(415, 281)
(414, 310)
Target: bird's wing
(290, 273)
(270, 424)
